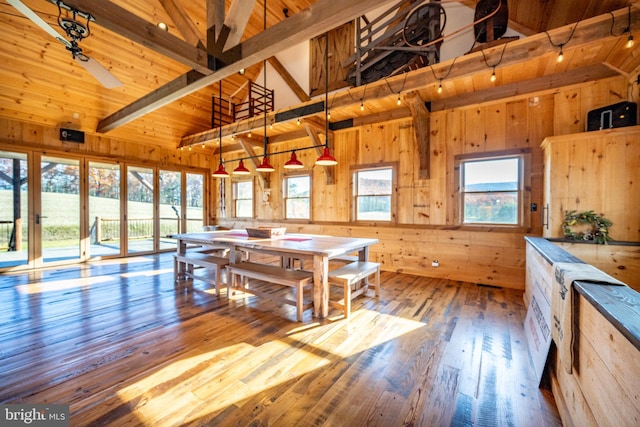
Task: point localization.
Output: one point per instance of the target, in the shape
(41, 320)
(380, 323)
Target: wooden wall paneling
(517, 125)
(474, 130)
(568, 114)
(616, 363)
(455, 143)
(619, 261)
(495, 127)
(438, 178)
(595, 171)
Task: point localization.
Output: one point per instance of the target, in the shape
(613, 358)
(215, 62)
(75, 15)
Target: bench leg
(299, 302)
(347, 299)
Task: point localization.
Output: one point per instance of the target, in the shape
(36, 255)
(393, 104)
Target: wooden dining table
(319, 249)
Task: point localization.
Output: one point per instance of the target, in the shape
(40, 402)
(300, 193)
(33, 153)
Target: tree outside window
(491, 190)
(373, 190)
(297, 197)
(243, 199)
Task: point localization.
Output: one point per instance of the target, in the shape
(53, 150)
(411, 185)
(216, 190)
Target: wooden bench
(270, 273)
(349, 275)
(193, 259)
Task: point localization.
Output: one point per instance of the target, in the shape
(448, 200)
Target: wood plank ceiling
(40, 83)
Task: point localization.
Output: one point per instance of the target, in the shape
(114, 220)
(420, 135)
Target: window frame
(235, 199)
(354, 170)
(285, 194)
(523, 190)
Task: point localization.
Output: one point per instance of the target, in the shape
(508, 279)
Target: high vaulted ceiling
(163, 102)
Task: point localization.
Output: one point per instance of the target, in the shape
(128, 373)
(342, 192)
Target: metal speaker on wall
(498, 22)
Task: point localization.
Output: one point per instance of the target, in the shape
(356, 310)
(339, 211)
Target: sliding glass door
(140, 210)
(57, 221)
(104, 209)
(14, 208)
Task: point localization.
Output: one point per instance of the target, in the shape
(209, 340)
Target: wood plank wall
(424, 225)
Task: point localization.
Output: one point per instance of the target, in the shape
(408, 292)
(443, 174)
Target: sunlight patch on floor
(62, 285)
(219, 379)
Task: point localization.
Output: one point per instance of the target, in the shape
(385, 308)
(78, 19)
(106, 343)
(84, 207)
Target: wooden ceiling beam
(321, 17)
(237, 20)
(147, 34)
(289, 80)
(566, 78)
(184, 23)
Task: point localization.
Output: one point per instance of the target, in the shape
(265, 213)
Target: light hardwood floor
(123, 345)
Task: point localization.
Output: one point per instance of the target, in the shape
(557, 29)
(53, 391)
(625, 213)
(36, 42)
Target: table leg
(320, 286)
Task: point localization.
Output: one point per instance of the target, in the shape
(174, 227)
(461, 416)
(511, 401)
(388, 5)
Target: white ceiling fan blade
(100, 73)
(22, 8)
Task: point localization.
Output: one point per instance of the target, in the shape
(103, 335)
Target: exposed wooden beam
(581, 75)
(125, 23)
(215, 19)
(289, 80)
(312, 132)
(183, 22)
(236, 20)
(247, 146)
(176, 87)
(317, 19)
(421, 126)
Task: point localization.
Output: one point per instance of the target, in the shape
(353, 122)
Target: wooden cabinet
(598, 171)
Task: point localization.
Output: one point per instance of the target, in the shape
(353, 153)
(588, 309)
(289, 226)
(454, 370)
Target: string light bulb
(630, 42)
(298, 122)
(440, 86)
(560, 56)
(361, 105)
(493, 75)
(399, 101)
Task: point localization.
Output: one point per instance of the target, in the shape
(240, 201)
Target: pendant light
(265, 166)
(326, 159)
(220, 172)
(293, 162)
(241, 169)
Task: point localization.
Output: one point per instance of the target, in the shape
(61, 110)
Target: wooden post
(17, 216)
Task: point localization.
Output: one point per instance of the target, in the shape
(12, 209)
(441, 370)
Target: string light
(298, 122)
(399, 100)
(361, 105)
(493, 66)
(630, 41)
(560, 57)
(440, 79)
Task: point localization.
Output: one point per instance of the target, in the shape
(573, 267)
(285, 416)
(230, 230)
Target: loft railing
(260, 100)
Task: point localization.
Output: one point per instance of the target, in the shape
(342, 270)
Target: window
(297, 197)
(243, 199)
(491, 189)
(372, 193)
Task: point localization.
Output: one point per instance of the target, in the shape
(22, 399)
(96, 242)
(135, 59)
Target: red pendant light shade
(221, 173)
(265, 166)
(293, 162)
(241, 169)
(326, 159)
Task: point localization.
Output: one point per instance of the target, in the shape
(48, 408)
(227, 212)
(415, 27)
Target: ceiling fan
(75, 31)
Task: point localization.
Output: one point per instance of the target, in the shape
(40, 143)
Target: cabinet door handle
(545, 216)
